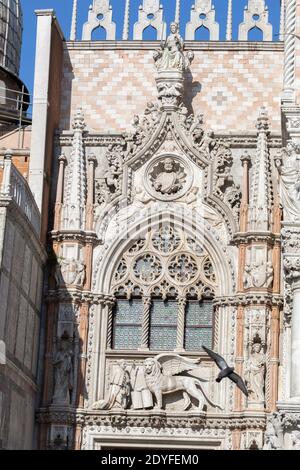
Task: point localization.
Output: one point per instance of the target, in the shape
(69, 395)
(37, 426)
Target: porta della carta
(149, 206)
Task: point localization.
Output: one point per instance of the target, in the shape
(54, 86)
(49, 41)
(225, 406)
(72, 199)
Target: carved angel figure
(162, 376)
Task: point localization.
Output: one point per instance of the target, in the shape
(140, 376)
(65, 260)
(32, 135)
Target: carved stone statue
(168, 177)
(162, 377)
(259, 274)
(274, 433)
(289, 171)
(119, 391)
(70, 272)
(63, 372)
(171, 57)
(255, 373)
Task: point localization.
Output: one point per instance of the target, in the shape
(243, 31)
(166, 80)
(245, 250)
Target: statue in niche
(288, 167)
(119, 391)
(63, 371)
(70, 272)
(168, 177)
(259, 275)
(255, 373)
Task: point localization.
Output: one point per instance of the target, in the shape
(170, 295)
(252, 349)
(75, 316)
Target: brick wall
(229, 82)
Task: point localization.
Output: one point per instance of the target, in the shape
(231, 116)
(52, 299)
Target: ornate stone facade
(175, 225)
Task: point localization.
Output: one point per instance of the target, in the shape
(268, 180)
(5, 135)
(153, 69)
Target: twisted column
(109, 325)
(59, 194)
(289, 51)
(282, 20)
(74, 21)
(146, 322)
(229, 22)
(177, 13)
(125, 36)
(180, 323)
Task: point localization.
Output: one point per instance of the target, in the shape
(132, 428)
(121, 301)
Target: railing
(16, 187)
(243, 20)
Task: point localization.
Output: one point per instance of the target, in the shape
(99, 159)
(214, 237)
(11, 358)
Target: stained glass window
(199, 325)
(163, 326)
(128, 316)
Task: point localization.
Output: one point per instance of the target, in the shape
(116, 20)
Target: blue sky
(63, 9)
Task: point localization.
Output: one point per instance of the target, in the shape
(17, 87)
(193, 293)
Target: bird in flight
(226, 371)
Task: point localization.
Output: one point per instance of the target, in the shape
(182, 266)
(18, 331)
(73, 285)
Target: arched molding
(198, 231)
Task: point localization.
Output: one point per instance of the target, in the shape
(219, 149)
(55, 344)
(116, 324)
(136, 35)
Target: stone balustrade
(14, 186)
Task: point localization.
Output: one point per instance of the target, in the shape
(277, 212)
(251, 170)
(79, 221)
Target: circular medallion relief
(168, 177)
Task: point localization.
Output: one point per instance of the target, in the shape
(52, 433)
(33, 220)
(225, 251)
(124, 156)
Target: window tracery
(167, 281)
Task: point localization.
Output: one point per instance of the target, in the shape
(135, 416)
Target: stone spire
(125, 36)
(282, 20)
(74, 21)
(75, 200)
(289, 51)
(229, 22)
(260, 196)
(177, 12)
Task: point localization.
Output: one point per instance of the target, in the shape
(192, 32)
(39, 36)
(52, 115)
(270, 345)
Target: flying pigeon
(226, 371)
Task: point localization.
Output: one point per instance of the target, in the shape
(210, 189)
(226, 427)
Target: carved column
(109, 332)
(90, 192)
(239, 352)
(246, 160)
(180, 323)
(5, 186)
(146, 323)
(274, 357)
(59, 194)
(83, 337)
(289, 52)
(292, 268)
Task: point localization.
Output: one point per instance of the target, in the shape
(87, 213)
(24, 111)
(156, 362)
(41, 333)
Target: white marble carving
(100, 15)
(119, 390)
(256, 14)
(63, 372)
(150, 14)
(70, 272)
(288, 165)
(202, 14)
(255, 371)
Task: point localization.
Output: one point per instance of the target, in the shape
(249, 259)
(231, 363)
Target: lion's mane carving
(161, 378)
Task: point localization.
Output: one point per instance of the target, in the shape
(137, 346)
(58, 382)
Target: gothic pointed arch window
(164, 288)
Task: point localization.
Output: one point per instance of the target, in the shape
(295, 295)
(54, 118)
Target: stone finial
(203, 14)
(256, 15)
(150, 14)
(74, 21)
(125, 36)
(100, 15)
(260, 195)
(289, 52)
(78, 122)
(5, 186)
(229, 22)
